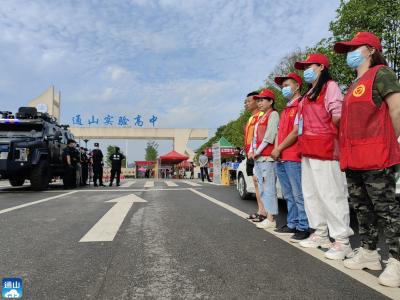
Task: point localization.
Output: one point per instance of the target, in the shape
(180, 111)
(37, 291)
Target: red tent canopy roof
(173, 156)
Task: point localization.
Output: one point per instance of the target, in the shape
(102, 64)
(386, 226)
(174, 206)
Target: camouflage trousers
(373, 197)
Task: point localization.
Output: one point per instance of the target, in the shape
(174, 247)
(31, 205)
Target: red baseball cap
(316, 58)
(280, 79)
(361, 38)
(265, 94)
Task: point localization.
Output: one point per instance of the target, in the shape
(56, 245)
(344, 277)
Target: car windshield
(20, 130)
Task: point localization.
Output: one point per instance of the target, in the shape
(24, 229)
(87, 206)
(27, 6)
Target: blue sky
(189, 62)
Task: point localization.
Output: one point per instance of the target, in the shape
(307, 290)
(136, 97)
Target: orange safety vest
(319, 138)
(367, 137)
(261, 129)
(249, 130)
(286, 125)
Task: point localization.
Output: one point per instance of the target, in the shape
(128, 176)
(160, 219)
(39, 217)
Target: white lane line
(222, 204)
(137, 190)
(35, 202)
(170, 183)
(128, 184)
(107, 227)
(359, 275)
(191, 183)
(149, 184)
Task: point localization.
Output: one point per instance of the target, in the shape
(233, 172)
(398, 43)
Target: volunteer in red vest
(323, 184)
(288, 165)
(250, 105)
(263, 143)
(369, 151)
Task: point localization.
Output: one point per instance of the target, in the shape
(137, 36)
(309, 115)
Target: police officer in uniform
(69, 159)
(116, 163)
(78, 166)
(97, 161)
(85, 166)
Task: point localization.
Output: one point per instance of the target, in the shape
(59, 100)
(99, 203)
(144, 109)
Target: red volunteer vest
(286, 125)
(367, 137)
(249, 130)
(261, 129)
(319, 138)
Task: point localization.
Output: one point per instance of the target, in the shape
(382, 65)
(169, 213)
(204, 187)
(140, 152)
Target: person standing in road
(69, 165)
(263, 143)
(203, 161)
(116, 164)
(97, 162)
(369, 152)
(323, 184)
(250, 104)
(78, 167)
(288, 165)
(85, 166)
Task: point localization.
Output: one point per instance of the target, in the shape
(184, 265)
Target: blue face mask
(354, 59)
(287, 92)
(309, 75)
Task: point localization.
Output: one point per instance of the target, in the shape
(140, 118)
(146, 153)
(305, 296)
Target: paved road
(185, 242)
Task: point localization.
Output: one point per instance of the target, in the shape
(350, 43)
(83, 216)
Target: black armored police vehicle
(31, 147)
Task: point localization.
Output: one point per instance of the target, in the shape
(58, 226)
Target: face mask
(309, 75)
(354, 59)
(287, 92)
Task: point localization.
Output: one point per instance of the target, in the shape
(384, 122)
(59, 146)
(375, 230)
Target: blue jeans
(289, 175)
(266, 178)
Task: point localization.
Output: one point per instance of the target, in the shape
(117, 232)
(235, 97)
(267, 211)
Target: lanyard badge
(301, 124)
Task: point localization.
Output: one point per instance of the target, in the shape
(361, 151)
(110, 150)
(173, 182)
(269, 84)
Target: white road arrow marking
(107, 227)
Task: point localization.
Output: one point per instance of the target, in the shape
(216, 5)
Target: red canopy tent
(173, 157)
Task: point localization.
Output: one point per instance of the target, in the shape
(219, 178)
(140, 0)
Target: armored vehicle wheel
(39, 176)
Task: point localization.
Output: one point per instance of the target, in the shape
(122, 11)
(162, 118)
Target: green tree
(382, 17)
(111, 151)
(285, 66)
(151, 151)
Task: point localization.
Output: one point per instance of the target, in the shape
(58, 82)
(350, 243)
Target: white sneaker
(316, 241)
(338, 251)
(266, 224)
(364, 259)
(391, 275)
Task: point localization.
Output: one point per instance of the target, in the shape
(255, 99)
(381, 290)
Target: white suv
(245, 184)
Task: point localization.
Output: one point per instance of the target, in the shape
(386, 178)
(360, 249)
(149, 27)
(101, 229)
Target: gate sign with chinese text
(115, 121)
